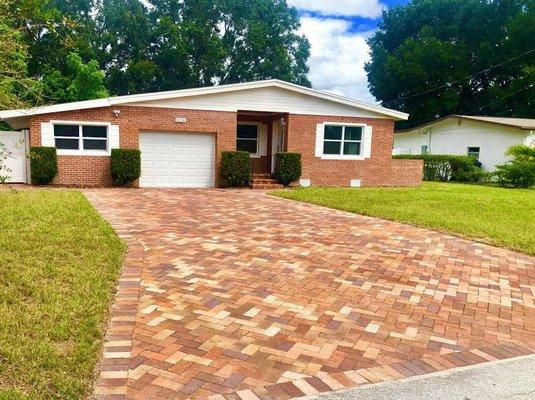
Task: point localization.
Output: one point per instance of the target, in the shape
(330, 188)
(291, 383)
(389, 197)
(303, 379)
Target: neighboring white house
(486, 138)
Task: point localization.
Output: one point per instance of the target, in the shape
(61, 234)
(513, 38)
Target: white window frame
(81, 151)
(258, 134)
(474, 147)
(342, 156)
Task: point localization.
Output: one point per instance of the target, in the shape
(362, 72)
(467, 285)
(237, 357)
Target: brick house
(181, 135)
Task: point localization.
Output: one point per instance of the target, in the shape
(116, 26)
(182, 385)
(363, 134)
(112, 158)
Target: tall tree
(58, 35)
(432, 58)
(187, 43)
(17, 88)
(152, 45)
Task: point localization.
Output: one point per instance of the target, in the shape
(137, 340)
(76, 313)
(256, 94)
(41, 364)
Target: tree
(432, 58)
(177, 44)
(82, 81)
(17, 89)
(154, 45)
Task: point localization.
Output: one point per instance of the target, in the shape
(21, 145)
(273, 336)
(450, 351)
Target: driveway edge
(114, 366)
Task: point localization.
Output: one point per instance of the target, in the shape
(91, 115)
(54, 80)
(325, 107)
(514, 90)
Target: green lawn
(502, 217)
(59, 262)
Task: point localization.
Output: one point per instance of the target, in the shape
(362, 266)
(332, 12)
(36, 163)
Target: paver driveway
(237, 294)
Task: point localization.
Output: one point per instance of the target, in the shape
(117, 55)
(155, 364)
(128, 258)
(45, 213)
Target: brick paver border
(112, 379)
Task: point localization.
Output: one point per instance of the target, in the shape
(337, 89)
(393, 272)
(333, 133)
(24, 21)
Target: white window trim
(82, 152)
(258, 134)
(474, 147)
(344, 156)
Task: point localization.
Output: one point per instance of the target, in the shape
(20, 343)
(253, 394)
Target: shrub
(287, 167)
(448, 167)
(520, 172)
(125, 165)
(43, 164)
(236, 168)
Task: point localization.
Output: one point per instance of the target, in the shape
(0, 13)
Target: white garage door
(177, 160)
(14, 157)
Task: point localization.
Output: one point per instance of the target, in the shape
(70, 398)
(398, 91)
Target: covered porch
(263, 135)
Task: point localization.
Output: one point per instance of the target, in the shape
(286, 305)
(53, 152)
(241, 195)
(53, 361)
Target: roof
(135, 98)
(520, 123)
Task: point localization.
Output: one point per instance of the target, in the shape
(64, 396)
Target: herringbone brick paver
(238, 295)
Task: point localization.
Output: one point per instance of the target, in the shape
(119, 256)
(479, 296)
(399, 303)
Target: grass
(59, 261)
(502, 217)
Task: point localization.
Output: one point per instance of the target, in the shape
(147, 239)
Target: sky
(337, 31)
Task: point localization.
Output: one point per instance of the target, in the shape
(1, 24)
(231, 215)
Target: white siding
(450, 137)
(271, 99)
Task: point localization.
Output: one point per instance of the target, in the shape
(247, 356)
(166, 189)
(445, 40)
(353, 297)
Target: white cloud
(337, 57)
(361, 8)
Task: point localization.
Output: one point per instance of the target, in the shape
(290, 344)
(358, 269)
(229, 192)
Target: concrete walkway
(512, 379)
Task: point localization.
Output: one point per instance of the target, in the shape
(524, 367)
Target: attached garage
(177, 160)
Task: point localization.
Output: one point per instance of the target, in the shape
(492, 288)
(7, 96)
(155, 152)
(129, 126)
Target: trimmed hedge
(236, 168)
(448, 167)
(43, 164)
(288, 167)
(125, 165)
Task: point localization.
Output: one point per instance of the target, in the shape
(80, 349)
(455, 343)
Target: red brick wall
(379, 170)
(94, 171)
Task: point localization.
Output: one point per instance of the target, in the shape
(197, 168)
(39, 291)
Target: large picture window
(342, 140)
(247, 138)
(81, 137)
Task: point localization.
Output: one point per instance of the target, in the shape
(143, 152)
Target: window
(342, 140)
(424, 149)
(81, 137)
(247, 138)
(473, 152)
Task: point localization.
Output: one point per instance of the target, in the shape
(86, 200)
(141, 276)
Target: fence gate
(13, 160)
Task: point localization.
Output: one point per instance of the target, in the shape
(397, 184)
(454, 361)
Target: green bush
(520, 172)
(448, 167)
(125, 165)
(43, 164)
(236, 168)
(288, 167)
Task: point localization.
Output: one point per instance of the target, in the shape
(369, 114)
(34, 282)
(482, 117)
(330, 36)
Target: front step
(265, 182)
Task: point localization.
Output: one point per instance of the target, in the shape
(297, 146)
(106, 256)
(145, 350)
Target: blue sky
(337, 31)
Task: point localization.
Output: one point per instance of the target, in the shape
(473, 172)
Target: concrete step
(267, 187)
